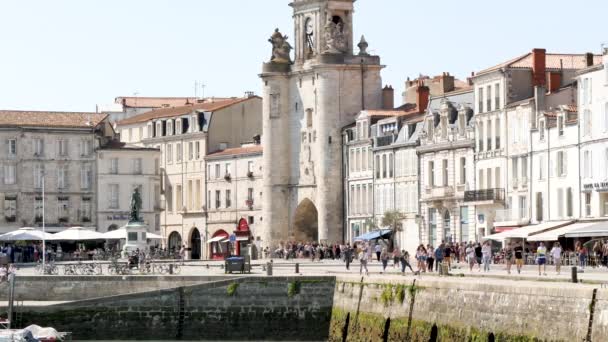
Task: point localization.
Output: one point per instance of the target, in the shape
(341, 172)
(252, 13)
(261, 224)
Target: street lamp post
(43, 231)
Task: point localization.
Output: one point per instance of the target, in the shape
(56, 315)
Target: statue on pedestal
(135, 206)
(280, 48)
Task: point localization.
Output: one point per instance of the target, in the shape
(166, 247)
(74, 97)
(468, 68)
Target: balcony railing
(439, 192)
(484, 195)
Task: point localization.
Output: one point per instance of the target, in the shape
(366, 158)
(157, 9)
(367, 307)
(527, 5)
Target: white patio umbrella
(77, 234)
(25, 234)
(121, 233)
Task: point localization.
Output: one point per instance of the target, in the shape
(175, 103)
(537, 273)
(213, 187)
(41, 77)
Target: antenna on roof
(197, 85)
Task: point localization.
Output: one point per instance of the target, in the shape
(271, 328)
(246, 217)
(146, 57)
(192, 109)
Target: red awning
(504, 228)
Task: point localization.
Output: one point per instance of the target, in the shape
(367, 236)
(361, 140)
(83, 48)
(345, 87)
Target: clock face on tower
(309, 28)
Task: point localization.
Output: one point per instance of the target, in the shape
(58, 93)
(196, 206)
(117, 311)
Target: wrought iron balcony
(484, 195)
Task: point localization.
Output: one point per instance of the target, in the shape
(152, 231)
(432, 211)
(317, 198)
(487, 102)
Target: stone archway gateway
(195, 244)
(305, 223)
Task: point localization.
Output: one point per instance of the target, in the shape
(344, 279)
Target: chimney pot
(388, 98)
(422, 98)
(539, 67)
(589, 59)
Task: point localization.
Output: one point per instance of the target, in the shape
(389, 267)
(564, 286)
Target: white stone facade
(306, 106)
(121, 169)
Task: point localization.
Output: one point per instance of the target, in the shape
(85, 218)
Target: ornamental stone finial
(280, 48)
(363, 47)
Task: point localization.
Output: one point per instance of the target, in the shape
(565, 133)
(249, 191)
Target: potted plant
(227, 177)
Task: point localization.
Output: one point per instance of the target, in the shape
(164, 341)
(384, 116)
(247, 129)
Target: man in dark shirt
(519, 257)
(447, 256)
(478, 254)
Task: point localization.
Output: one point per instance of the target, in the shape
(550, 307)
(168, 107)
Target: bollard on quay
(574, 274)
(269, 269)
(170, 268)
(297, 268)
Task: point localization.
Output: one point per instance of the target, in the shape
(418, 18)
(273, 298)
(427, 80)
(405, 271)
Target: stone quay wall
(70, 288)
(462, 310)
(278, 308)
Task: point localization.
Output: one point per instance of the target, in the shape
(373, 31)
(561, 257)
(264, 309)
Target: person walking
(438, 257)
(541, 258)
(378, 250)
(363, 260)
(519, 257)
(347, 255)
(478, 256)
(429, 258)
(384, 256)
(447, 256)
(471, 259)
(509, 257)
(396, 257)
(556, 254)
(486, 252)
(421, 258)
(405, 262)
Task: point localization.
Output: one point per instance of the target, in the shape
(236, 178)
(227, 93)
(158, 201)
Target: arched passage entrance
(195, 244)
(218, 245)
(305, 223)
(175, 242)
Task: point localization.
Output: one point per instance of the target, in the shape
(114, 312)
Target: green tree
(393, 219)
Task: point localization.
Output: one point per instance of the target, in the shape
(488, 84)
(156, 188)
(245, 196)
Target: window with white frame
(523, 207)
(38, 209)
(497, 180)
(569, 204)
(178, 126)
(560, 202)
(227, 169)
(431, 174)
(496, 96)
(178, 148)
(497, 133)
(114, 166)
(217, 171)
(541, 167)
(62, 147)
(169, 127)
(86, 147)
(587, 204)
(515, 168)
(480, 100)
(384, 169)
(560, 125)
(169, 151)
(86, 176)
(38, 146)
(38, 175)
(62, 176)
(390, 165)
(228, 199)
(562, 163)
(489, 98)
(12, 147)
(10, 174)
(587, 172)
(190, 150)
(137, 166)
(481, 183)
(463, 170)
(541, 130)
(480, 137)
(587, 122)
(489, 135)
(585, 90)
(445, 171)
(114, 196)
(10, 208)
(63, 205)
(377, 166)
(524, 168)
(488, 178)
(218, 200)
(85, 209)
(197, 150)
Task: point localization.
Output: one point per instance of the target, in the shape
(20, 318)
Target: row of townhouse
(523, 142)
(64, 169)
(210, 170)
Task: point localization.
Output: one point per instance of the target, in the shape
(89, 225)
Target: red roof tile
(15, 118)
(553, 61)
(154, 102)
(237, 151)
(182, 110)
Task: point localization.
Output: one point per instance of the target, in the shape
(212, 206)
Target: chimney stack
(589, 59)
(388, 97)
(554, 81)
(422, 97)
(539, 67)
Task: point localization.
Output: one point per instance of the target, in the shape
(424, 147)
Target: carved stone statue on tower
(335, 37)
(280, 48)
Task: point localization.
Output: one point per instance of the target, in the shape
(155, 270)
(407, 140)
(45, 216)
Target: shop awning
(216, 239)
(526, 231)
(554, 234)
(496, 237)
(376, 234)
(589, 229)
(242, 238)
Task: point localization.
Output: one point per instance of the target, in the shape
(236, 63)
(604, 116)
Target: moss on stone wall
(370, 327)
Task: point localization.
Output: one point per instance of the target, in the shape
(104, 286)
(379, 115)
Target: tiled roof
(237, 151)
(154, 102)
(15, 118)
(182, 110)
(552, 61)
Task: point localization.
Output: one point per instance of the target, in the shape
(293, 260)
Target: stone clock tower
(307, 102)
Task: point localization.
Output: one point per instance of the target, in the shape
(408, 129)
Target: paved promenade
(337, 268)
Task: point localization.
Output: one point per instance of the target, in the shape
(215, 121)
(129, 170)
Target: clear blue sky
(73, 54)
